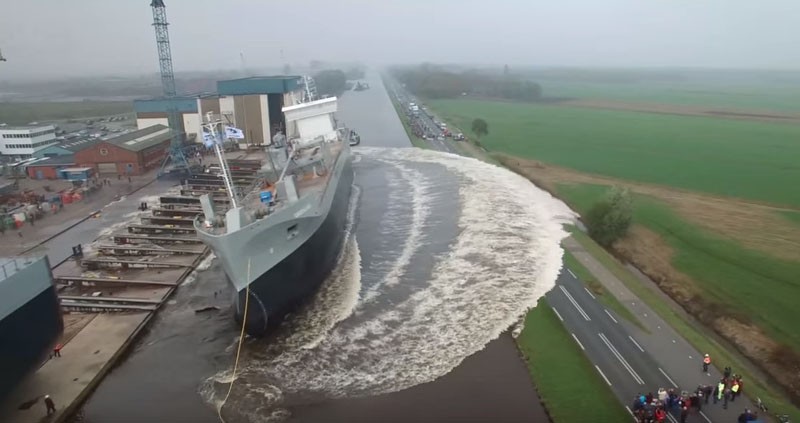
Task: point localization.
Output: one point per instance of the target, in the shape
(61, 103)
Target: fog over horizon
(52, 38)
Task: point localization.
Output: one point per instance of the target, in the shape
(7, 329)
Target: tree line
(433, 82)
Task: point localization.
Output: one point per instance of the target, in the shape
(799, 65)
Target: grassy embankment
(751, 160)
(23, 113)
(745, 159)
(753, 96)
(568, 384)
(696, 336)
(761, 288)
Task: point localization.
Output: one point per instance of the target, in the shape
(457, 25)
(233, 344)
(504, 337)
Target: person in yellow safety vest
(720, 391)
(706, 362)
(734, 390)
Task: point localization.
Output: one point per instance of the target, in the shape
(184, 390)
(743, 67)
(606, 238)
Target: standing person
(51, 406)
(57, 350)
(727, 372)
(734, 389)
(708, 391)
(706, 362)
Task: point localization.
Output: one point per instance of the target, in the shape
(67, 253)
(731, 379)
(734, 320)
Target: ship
(281, 238)
(30, 318)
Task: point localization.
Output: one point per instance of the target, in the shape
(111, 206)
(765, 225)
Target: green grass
(793, 216)
(753, 285)
(602, 295)
(758, 97)
(568, 383)
(701, 341)
(23, 113)
(754, 160)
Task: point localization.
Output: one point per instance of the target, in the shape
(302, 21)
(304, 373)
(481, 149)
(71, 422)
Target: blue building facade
(162, 105)
(259, 85)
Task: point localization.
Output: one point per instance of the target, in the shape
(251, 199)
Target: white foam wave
(395, 219)
(506, 255)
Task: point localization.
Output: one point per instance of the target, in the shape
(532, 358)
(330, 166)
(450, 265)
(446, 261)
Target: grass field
(569, 385)
(752, 160)
(23, 113)
(754, 286)
(751, 97)
(723, 252)
(793, 216)
(771, 396)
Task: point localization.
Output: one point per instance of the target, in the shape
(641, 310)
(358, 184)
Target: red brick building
(130, 154)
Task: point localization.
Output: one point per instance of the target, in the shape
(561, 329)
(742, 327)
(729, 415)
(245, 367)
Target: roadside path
(679, 359)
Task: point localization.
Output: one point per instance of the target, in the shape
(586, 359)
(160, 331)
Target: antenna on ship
(310, 89)
(212, 124)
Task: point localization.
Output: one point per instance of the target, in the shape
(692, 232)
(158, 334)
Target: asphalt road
(631, 361)
(405, 98)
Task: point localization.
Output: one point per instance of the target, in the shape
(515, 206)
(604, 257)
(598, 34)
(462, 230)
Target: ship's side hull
(287, 284)
(27, 336)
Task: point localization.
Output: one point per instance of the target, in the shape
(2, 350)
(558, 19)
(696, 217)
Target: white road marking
(672, 418)
(705, 417)
(579, 342)
(674, 385)
(612, 317)
(573, 275)
(629, 410)
(557, 314)
(636, 343)
(574, 303)
(604, 376)
(673, 341)
(589, 292)
(621, 359)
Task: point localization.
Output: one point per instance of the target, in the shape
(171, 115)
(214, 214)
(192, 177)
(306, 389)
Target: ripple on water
(505, 257)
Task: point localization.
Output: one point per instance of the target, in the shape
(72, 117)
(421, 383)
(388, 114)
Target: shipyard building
(22, 142)
(252, 104)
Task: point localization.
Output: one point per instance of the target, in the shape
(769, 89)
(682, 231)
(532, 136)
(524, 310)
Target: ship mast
(212, 125)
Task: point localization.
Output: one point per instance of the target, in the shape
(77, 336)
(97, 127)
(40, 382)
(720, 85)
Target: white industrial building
(252, 104)
(20, 142)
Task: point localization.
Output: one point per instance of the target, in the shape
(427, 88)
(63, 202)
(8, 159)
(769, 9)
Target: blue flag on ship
(231, 132)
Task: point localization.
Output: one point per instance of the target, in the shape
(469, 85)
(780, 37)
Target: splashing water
(505, 256)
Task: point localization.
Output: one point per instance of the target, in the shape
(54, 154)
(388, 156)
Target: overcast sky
(89, 37)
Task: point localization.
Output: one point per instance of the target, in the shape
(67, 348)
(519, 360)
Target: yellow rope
(241, 340)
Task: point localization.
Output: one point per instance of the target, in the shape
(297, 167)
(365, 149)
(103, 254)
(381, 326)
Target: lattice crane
(177, 156)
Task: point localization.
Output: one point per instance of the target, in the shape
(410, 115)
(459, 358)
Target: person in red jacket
(661, 415)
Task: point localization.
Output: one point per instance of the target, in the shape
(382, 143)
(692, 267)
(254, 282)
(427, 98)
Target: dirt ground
(683, 110)
(758, 226)
(754, 225)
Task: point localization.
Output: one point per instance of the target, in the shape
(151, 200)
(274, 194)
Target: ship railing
(7, 272)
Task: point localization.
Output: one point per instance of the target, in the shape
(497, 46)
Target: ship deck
(307, 183)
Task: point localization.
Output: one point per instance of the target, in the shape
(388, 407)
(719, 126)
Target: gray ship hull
(30, 322)
(294, 279)
(284, 258)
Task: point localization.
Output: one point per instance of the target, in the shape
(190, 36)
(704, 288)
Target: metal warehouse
(131, 154)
